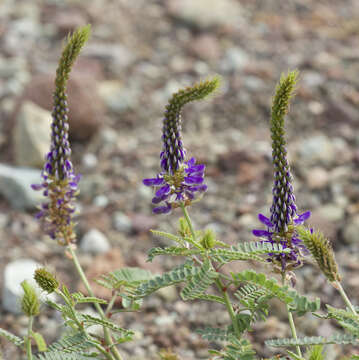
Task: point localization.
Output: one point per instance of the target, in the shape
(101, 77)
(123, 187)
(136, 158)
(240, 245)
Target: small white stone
(94, 241)
(15, 273)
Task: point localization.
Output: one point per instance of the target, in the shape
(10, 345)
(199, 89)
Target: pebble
(317, 149)
(15, 272)
(351, 230)
(121, 222)
(15, 186)
(95, 242)
(331, 212)
(32, 135)
(234, 59)
(207, 13)
(317, 178)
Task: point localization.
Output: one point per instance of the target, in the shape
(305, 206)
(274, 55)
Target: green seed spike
(322, 251)
(30, 304)
(72, 48)
(46, 280)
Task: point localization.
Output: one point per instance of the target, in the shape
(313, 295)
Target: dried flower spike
(281, 227)
(179, 180)
(46, 280)
(322, 251)
(60, 184)
(30, 304)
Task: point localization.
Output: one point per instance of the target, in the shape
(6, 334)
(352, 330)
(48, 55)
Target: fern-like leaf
(173, 251)
(246, 251)
(81, 298)
(175, 276)
(11, 337)
(213, 334)
(92, 320)
(199, 283)
(129, 277)
(59, 355)
(341, 339)
(177, 239)
(71, 344)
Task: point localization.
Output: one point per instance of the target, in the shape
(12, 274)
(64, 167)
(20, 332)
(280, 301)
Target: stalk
(82, 275)
(291, 323)
(339, 287)
(28, 341)
(218, 281)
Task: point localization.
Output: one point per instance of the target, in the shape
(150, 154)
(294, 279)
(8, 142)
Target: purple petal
(153, 181)
(36, 186)
(163, 190)
(263, 219)
(193, 180)
(200, 188)
(301, 218)
(158, 199)
(261, 233)
(162, 209)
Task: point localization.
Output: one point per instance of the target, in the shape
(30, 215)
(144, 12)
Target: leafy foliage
(173, 251)
(59, 355)
(71, 343)
(213, 334)
(11, 337)
(177, 275)
(236, 349)
(129, 277)
(346, 319)
(81, 298)
(297, 303)
(199, 282)
(341, 339)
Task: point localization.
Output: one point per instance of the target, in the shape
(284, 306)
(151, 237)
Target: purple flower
(180, 180)
(180, 187)
(289, 239)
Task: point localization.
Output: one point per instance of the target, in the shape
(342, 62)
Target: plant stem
(229, 307)
(345, 297)
(189, 222)
(291, 323)
(107, 334)
(218, 281)
(28, 340)
(111, 303)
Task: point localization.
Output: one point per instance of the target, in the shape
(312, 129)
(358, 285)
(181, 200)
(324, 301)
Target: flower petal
(153, 181)
(163, 190)
(193, 180)
(263, 219)
(162, 209)
(260, 233)
(302, 217)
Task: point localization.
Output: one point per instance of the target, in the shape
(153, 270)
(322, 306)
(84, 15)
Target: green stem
(107, 334)
(291, 323)
(189, 222)
(28, 340)
(111, 303)
(345, 297)
(218, 281)
(229, 307)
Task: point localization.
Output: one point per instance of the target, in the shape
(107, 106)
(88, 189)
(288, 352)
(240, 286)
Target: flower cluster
(60, 184)
(284, 218)
(180, 180)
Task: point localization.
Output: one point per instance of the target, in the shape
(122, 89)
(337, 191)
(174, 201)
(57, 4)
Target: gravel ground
(139, 53)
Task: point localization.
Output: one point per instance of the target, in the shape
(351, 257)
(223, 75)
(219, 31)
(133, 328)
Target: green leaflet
(172, 250)
(11, 337)
(80, 298)
(59, 355)
(92, 320)
(199, 282)
(341, 339)
(129, 277)
(346, 319)
(213, 334)
(298, 303)
(71, 344)
(175, 276)
(245, 251)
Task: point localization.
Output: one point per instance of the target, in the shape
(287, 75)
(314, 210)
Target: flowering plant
(283, 246)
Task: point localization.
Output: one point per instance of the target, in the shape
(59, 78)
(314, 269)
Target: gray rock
(317, 149)
(14, 273)
(331, 212)
(207, 13)
(32, 135)
(351, 231)
(94, 241)
(15, 186)
(317, 177)
(235, 59)
(121, 222)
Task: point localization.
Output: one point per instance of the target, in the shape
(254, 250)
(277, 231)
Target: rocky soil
(141, 52)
